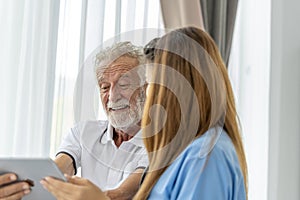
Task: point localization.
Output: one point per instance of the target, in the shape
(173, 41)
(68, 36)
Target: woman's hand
(75, 189)
(10, 190)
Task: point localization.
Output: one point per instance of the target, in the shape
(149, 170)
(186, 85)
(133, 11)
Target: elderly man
(110, 153)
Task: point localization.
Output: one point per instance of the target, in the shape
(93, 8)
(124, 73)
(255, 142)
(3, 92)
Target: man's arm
(128, 188)
(65, 163)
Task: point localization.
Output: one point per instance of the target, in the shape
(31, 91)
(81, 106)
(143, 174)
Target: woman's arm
(12, 191)
(75, 189)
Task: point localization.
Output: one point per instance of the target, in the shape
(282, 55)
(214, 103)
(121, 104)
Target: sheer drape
(28, 49)
(249, 69)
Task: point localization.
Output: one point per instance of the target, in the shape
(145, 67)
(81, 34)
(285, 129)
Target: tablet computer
(32, 170)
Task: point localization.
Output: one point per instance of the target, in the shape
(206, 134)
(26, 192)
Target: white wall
(284, 143)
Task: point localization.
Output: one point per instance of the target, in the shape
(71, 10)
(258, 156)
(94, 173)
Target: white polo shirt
(93, 149)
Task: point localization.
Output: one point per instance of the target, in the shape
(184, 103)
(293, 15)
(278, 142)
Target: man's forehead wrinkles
(121, 70)
(118, 69)
(118, 75)
(119, 65)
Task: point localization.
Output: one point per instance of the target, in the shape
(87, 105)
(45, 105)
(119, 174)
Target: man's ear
(145, 86)
(143, 91)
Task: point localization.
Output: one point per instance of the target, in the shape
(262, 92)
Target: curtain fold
(219, 19)
(180, 13)
(28, 53)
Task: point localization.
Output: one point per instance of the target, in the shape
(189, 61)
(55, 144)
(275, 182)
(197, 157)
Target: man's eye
(124, 86)
(104, 88)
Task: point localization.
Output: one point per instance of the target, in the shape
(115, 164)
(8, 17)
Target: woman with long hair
(191, 129)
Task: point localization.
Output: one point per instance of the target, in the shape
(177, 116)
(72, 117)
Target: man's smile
(119, 108)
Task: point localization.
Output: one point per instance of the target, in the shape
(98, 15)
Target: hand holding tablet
(31, 171)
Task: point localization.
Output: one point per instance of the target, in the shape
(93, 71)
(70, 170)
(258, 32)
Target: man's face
(120, 93)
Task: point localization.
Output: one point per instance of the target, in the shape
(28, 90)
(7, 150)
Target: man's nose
(114, 93)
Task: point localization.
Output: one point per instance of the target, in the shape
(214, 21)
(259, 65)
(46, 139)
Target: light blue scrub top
(208, 169)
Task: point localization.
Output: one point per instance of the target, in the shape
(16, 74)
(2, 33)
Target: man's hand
(128, 188)
(10, 190)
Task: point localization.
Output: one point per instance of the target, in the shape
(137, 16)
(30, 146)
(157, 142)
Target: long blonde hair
(188, 72)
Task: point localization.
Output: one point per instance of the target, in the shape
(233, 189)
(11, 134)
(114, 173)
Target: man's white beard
(125, 119)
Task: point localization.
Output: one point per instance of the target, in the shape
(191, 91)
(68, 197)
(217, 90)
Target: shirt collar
(137, 139)
(107, 135)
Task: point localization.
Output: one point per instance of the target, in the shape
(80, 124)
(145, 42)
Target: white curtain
(28, 33)
(67, 66)
(249, 69)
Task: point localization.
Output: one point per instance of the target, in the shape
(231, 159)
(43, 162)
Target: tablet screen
(32, 170)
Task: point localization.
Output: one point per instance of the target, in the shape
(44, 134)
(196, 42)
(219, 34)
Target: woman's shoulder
(214, 140)
(210, 161)
(212, 148)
